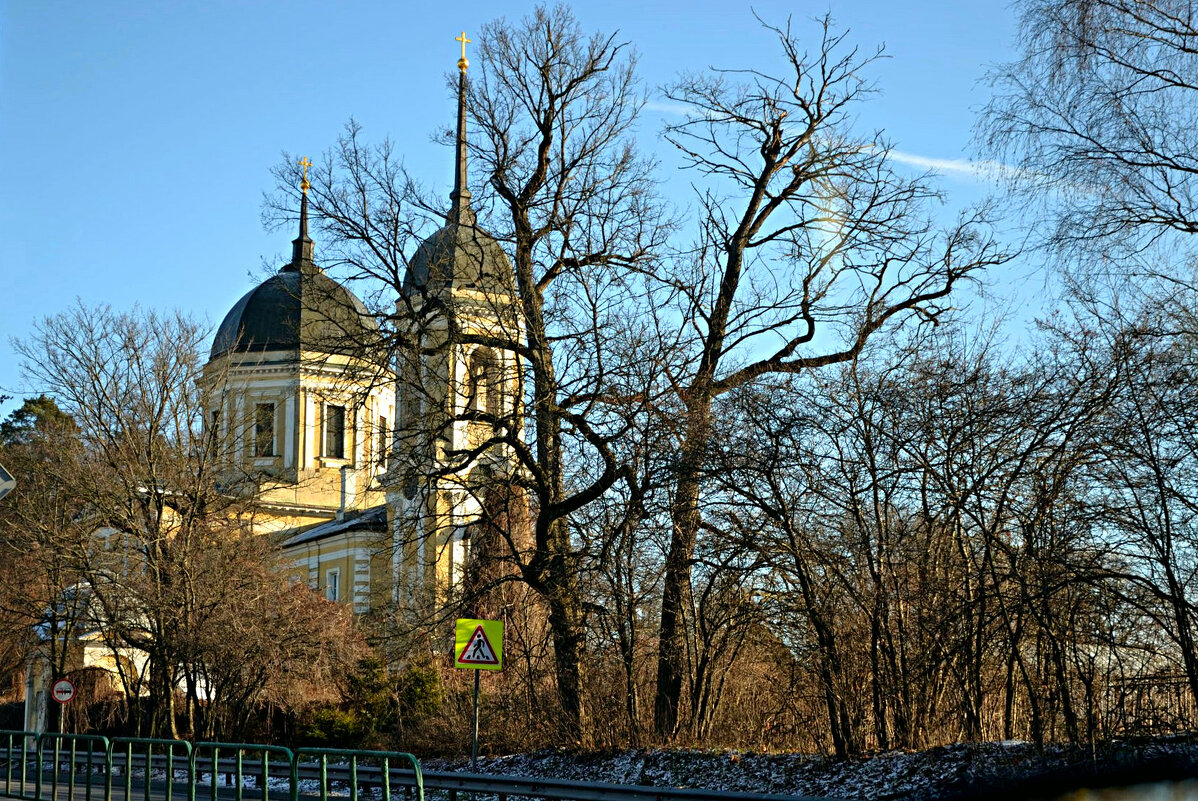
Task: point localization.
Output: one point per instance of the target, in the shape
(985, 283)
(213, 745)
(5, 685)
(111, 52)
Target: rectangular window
(383, 444)
(264, 429)
(334, 431)
(332, 584)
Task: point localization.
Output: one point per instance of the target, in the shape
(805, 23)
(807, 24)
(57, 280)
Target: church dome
(292, 310)
(463, 255)
(298, 308)
(460, 254)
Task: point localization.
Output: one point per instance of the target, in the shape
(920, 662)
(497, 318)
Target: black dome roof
(293, 309)
(461, 254)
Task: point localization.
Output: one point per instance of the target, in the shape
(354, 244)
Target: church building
(382, 462)
(376, 464)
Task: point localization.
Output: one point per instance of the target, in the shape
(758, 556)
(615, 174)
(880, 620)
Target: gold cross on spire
(462, 62)
(304, 164)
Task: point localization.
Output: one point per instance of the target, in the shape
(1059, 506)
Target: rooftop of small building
(373, 518)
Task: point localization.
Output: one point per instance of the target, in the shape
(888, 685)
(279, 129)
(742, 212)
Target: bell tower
(458, 396)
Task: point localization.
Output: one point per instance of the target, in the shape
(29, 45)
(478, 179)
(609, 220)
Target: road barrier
(38, 767)
(18, 745)
(260, 767)
(162, 750)
(82, 767)
(69, 758)
(364, 766)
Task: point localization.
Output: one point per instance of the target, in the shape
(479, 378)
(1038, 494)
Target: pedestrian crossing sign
(478, 644)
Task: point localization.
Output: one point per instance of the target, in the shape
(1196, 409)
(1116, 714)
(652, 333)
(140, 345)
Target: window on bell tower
(334, 431)
(214, 424)
(482, 382)
(264, 429)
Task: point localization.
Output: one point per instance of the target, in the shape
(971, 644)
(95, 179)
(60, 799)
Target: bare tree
(561, 186)
(256, 637)
(165, 545)
(1095, 124)
(809, 244)
(42, 609)
(1147, 495)
(555, 110)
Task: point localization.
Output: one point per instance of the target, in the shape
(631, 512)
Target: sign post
(7, 482)
(62, 691)
(478, 645)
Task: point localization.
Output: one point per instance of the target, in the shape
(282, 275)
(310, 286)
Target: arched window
(482, 382)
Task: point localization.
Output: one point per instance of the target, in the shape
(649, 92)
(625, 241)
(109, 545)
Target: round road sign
(62, 691)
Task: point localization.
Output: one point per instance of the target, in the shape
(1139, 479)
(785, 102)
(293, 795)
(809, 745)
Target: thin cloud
(960, 168)
(983, 170)
(677, 109)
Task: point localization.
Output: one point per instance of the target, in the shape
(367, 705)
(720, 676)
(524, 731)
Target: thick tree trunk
(162, 707)
(554, 571)
(676, 584)
(1185, 637)
(878, 682)
(671, 639)
(569, 646)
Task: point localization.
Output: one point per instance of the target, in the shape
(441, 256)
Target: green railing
(379, 763)
(166, 752)
(66, 756)
(259, 767)
(40, 767)
(17, 748)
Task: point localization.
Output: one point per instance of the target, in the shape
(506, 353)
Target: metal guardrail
(380, 770)
(235, 767)
(37, 766)
(309, 774)
(25, 741)
(481, 785)
(72, 743)
(166, 750)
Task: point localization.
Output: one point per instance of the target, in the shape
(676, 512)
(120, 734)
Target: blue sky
(137, 138)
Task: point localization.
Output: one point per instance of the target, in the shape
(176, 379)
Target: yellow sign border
(464, 629)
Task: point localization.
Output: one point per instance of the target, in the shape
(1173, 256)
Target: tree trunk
(569, 645)
(676, 585)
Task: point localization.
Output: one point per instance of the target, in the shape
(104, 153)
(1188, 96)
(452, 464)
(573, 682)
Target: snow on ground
(996, 770)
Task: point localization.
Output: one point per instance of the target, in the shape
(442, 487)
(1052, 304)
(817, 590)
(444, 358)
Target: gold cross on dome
(304, 164)
(462, 62)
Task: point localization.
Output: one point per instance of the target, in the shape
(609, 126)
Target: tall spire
(301, 246)
(459, 210)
